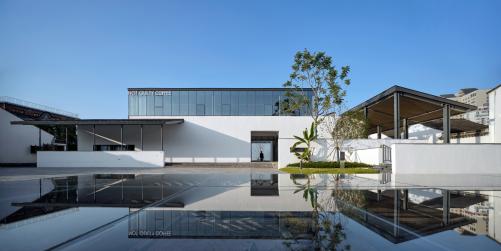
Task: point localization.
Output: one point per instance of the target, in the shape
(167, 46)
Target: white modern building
(243, 126)
(19, 143)
(187, 125)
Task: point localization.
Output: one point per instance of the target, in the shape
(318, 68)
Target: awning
(101, 122)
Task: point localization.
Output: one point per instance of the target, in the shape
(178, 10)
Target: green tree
(348, 125)
(308, 137)
(316, 71)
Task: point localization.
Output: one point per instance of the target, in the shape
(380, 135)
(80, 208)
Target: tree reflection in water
(327, 221)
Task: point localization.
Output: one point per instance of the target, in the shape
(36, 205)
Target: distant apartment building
(476, 97)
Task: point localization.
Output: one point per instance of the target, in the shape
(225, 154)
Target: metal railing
(386, 153)
(16, 101)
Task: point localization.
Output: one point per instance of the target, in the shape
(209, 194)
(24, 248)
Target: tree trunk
(338, 157)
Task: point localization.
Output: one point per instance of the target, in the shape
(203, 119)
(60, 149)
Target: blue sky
(82, 55)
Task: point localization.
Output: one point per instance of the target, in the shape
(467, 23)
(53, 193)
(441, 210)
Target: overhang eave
(100, 122)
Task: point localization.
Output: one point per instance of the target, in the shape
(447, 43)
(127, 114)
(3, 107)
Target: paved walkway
(29, 173)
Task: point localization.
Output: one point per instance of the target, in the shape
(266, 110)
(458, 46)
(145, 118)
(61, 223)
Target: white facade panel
(228, 138)
(213, 139)
(17, 139)
(372, 156)
(446, 158)
(100, 159)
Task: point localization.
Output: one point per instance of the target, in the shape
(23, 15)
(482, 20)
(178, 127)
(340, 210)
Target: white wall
(495, 115)
(372, 156)
(204, 138)
(100, 159)
(446, 158)
(17, 139)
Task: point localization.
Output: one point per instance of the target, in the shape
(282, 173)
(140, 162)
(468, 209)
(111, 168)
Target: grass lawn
(312, 170)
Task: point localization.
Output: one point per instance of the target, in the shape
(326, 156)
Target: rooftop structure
(396, 108)
(32, 111)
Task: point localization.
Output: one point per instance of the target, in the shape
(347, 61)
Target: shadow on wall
(324, 150)
(190, 142)
(118, 159)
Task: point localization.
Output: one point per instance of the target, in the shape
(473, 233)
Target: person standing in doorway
(261, 156)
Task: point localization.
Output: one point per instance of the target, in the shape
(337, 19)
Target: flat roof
(102, 122)
(417, 107)
(211, 89)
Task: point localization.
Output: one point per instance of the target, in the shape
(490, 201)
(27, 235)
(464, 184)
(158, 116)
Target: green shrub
(329, 164)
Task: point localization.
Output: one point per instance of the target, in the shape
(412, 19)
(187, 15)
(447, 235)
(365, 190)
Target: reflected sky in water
(251, 211)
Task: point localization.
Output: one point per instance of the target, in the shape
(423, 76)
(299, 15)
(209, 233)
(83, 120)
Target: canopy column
(405, 126)
(396, 212)
(446, 206)
(40, 138)
(162, 136)
(446, 134)
(396, 115)
(378, 129)
(122, 137)
(141, 135)
(66, 138)
(93, 137)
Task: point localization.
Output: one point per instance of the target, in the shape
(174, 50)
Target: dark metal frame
(396, 92)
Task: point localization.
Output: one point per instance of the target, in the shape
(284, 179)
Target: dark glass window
(183, 103)
(242, 103)
(276, 103)
(192, 103)
(225, 103)
(175, 103)
(212, 103)
(167, 105)
(208, 103)
(133, 105)
(225, 110)
(234, 103)
(159, 105)
(150, 105)
(217, 103)
(251, 101)
(200, 110)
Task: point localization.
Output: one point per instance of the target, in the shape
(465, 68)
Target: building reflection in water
(398, 215)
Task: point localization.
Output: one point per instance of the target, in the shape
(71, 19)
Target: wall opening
(264, 146)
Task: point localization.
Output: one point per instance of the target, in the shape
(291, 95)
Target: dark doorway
(264, 146)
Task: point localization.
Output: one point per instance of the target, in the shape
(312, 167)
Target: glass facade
(209, 102)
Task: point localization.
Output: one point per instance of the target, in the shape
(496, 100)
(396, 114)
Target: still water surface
(254, 211)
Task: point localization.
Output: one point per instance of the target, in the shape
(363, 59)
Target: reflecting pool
(258, 210)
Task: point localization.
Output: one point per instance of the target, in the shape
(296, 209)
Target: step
(225, 165)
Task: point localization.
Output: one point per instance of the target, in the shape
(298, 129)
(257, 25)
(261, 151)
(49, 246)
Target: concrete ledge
(446, 158)
(146, 159)
(225, 165)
